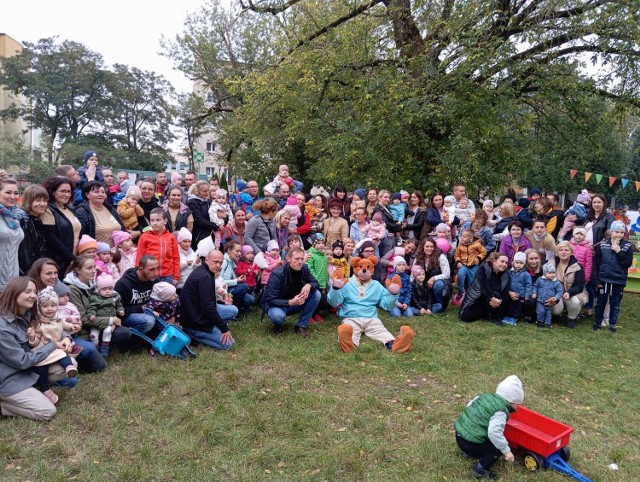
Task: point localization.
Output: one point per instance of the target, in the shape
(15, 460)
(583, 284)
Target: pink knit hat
(120, 237)
(104, 281)
(86, 242)
(162, 291)
(246, 249)
(176, 178)
(416, 270)
(377, 217)
(292, 201)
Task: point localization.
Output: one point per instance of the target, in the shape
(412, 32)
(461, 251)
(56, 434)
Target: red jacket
(164, 248)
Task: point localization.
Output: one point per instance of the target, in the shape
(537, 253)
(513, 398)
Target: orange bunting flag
(587, 175)
(573, 173)
(637, 185)
(612, 179)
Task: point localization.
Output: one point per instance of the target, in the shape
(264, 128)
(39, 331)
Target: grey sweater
(16, 357)
(10, 240)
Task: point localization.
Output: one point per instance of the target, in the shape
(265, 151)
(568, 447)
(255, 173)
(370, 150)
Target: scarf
(72, 279)
(12, 216)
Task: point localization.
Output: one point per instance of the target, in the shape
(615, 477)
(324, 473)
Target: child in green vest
(480, 427)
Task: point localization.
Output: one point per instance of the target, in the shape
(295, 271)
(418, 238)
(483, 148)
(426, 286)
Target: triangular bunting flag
(573, 173)
(587, 175)
(612, 179)
(598, 178)
(624, 182)
(637, 185)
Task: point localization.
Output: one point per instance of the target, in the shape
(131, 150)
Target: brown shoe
(302, 331)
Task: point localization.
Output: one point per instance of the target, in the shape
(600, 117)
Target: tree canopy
(414, 93)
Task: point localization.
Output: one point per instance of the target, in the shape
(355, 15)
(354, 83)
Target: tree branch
(269, 9)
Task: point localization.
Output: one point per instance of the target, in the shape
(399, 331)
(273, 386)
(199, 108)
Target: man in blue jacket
(291, 289)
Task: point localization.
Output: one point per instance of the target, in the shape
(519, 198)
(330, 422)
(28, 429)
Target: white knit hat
(184, 234)
(162, 291)
(511, 390)
(398, 260)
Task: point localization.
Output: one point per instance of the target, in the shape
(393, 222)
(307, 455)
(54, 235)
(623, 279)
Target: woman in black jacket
(34, 202)
(488, 295)
(199, 204)
(60, 225)
(98, 218)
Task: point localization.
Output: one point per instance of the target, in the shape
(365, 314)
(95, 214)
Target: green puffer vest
(473, 423)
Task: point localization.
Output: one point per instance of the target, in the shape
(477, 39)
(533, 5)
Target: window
(210, 97)
(210, 171)
(211, 147)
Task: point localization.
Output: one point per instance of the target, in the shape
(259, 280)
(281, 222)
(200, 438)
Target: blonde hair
(507, 209)
(563, 244)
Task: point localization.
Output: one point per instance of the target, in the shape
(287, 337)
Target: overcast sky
(123, 31)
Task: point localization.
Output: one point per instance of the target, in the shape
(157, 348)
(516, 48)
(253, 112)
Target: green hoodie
(318, 266)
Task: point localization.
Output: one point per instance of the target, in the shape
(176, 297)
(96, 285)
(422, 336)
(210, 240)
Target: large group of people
(114, 256)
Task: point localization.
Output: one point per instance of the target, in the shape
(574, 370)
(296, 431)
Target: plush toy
(358, 300)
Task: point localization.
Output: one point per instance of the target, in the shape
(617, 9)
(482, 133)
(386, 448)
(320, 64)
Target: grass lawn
(284, 408)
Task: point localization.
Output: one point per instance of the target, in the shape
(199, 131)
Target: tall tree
(64, 84)
(191, 122)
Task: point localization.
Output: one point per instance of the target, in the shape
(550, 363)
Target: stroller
(171, 341)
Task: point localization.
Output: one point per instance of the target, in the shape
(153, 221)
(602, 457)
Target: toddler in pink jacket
(583, 251)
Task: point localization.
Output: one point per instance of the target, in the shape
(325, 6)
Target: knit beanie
(534, 191)
(398, 260)
(337, 244)
(520, 256)
(366, 244)
(617, 226)
(289, 182)
(511, 390)
(120, 237)
(61, 289)
(205, 246)
(450, 199)
(176, 178)
(314, 238)
(443, 228)
(416, 270)
(103, 248)
(584, 197)
(162, 291)
(487, 203)
(86, 242)
(104, 281)
(359, 192)
(88, 155)
(399, 251)
(579, 230)
(292, 201)
(221, 192)
(184, 234)
(523, 202)
(246, 249)
(47, 294)
(377, 217)
(404, 195)
(241, 185)
(548, 268)
(396, 195)
(271, 245)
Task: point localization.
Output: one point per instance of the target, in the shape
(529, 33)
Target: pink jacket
(272, 263)
(584, 254)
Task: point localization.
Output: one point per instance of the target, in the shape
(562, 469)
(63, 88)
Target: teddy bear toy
(358, 300)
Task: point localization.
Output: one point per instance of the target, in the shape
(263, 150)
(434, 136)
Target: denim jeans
(166, 279)
(227, 312)
(277, 314)
(89, 359)
(241, 296)
(465, 277)
(435, 308)
(395, 311)
(438, 290)
(297, 186)
(612, 293)
(140, 321)
(210, 339)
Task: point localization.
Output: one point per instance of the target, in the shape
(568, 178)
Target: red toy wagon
(544, 441)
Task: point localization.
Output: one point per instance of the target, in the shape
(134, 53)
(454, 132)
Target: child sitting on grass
(247, 267)
(403, 305)
(480, 427)
(165, 303)
(422, 298)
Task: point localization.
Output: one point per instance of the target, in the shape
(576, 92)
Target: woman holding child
(18, 397)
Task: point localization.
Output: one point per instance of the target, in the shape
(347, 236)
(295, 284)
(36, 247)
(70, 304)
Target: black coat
(59, 239)
(33, 245)
(202, 225)
(418, 223)
(387, 218)
(198, 309)
(480, 287)
(88, 222)
(279, 283)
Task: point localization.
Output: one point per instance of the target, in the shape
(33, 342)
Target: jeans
(438, 290)
(241, 296)
(227, 312)
(297, 186)
(140, 321)
(435, 308)
(465, 277)
(89, 359)
(210, 339)
(395, 311)
(486, 452)
(612, 293)
(166, 279)
(543, 313)
(277, 314)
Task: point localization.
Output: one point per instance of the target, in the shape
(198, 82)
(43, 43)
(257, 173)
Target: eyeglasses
(368, 250)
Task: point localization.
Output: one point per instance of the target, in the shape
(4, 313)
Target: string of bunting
(599, 177)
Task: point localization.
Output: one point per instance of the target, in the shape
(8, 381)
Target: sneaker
(547, 325)
(498, 322)
(104, 350)
(571, 324)
(597, 328)
(612, 328)
(509, 321)
(53, 398)
(278, 329)
(302, 331)
(479, 472)
(71, 371)
(540, 324)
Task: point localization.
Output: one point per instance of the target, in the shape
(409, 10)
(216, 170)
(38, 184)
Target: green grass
(284, 408)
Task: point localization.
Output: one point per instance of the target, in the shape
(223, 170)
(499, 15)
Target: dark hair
(79, 261)
(325, 206)
(433, 258)
(230, 244)
(495, 255)
(145, 259)
(293, 237)
(335, 203)
(33, 193)
(190, 172)
(539, 219)
(339, 188)
(437, 193)
(146, 179)
(52, 184)
(173, 188)
(420, 197)
(546, 203)
(35, 271)
(555, 195)
(159, 211)
(516, 224)
(481, 219)
(91, 186)
(9, 297)
(591, 215)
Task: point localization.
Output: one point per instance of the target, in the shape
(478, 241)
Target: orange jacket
(468, 254)
(164, 248)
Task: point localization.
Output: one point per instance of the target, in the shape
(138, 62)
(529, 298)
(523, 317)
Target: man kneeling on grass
(291, 289)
